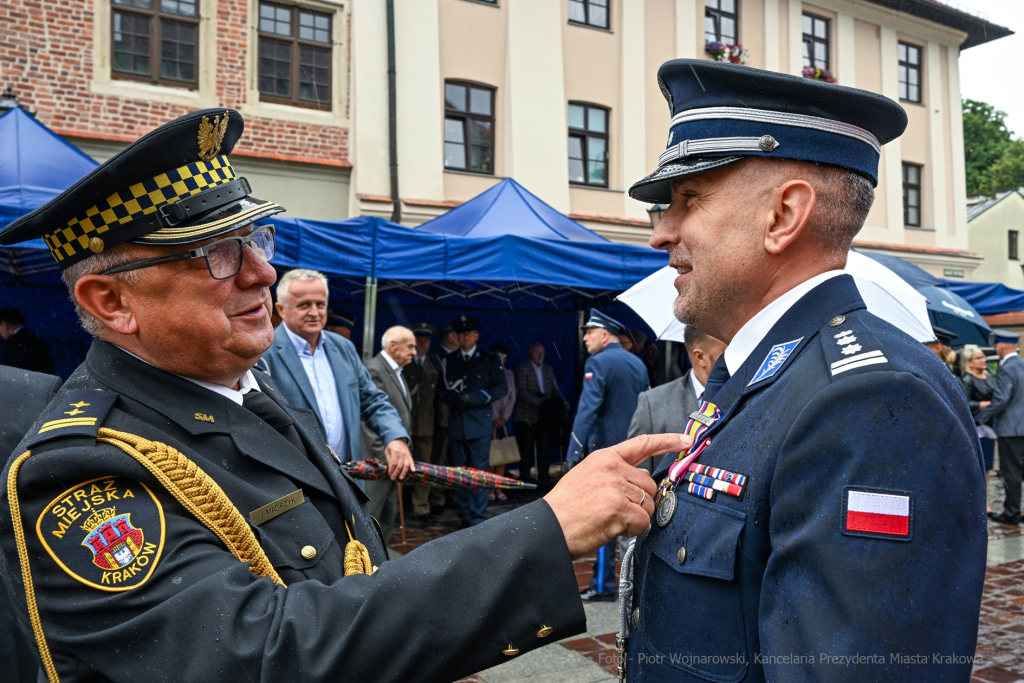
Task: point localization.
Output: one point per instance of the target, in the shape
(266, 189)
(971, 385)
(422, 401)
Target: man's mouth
(682, 269)
(252, 312)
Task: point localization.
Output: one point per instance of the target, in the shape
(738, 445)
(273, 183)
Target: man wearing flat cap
(828, 521)
(473, 378)
(1006, 411)
(169, 512)
(613, 378)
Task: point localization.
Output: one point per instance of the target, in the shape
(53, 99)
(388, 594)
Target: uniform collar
(468, 354)
(755, 329)
(1007, 357)
(246, 384)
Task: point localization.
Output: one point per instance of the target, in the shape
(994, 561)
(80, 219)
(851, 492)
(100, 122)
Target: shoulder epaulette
(80, 413)
(849, 346)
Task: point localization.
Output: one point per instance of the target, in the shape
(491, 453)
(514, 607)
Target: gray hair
(94, 265)
(393, 334)
(303, 274)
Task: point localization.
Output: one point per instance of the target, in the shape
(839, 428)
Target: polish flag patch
(877, 513)
(589, 375)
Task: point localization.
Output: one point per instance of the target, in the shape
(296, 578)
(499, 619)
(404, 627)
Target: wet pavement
(591, 657)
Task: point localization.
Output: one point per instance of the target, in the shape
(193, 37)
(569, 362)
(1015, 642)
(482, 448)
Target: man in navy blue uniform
(828, 521)
(1007, 414)
(612, 380)
(473, 378)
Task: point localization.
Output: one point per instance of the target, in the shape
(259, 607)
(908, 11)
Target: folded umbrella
(427, 474)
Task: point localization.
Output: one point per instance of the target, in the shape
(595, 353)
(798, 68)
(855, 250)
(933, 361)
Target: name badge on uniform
(878, 513)
(279, 506)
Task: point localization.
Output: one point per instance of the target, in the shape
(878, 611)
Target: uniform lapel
(291, 361)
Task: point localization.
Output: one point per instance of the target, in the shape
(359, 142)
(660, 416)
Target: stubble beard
(705, 304)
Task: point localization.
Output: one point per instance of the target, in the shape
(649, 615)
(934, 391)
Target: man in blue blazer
(320, 371)
(1007, 411)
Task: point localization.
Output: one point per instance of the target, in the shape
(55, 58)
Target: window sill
(919, 104)
(479, 174)
(590, 26)
(599, 188)
(286, 112)
(485, 2)
(918, 228)
(153, 93)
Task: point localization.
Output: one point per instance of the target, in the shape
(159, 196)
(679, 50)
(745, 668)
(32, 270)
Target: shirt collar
(698, 388)
(1009, 355)
(468, 353)
(302, 346)
(755, 329)
(245, 385)
(391, 361)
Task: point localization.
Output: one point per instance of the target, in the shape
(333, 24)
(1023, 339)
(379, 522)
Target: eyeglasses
(223, 257)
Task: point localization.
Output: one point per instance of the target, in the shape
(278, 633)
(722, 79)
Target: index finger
(638, 449)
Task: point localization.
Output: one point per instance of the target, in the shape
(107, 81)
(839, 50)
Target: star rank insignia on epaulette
(80, 413)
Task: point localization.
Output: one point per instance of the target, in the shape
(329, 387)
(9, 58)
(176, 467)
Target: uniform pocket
(691, 604)
(284, 537)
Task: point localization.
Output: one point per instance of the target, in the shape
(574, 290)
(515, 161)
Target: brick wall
(46, 56)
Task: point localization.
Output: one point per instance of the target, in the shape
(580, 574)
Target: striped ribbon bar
(701, 491)
(720, 474)
(724, 487)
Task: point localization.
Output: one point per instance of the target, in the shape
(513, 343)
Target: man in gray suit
(398, 346)
(321, 371)
(666, 408)
(1007, 411)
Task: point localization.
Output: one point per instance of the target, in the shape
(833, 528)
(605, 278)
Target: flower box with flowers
(818, 74)
(724, 52)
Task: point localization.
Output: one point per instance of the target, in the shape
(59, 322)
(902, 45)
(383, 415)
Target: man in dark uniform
(122, 536)
(423, 376)
(612, 380)
(828, 521)
(23, 348)
(472, 379)
(1006, 411)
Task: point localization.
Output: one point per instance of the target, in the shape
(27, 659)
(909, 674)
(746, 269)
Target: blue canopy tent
(988, 298)
(37, 165)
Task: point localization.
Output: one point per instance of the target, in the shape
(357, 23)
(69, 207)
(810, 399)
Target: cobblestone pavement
(591, 657)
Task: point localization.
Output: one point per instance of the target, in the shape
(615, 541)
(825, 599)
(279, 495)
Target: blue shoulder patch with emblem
(775, 359)
(80, 413)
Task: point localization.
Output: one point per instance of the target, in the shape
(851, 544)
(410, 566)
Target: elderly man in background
(423, 375)
(667, 408)
(139, 472)
(321, 371)
(1006, 411)
(398, 347)
(537, 388)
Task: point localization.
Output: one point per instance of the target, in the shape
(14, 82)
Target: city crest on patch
(774, 360)
(107, 533)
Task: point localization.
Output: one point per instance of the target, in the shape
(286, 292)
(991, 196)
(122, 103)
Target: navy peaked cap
(466, 323)
(174, 185)
(722, 113)
(1006, 336)
(599, 319)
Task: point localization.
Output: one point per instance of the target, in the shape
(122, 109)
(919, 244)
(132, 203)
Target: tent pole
(668, 359)
(369, 317)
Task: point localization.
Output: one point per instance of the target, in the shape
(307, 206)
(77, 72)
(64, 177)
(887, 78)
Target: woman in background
(978, 385)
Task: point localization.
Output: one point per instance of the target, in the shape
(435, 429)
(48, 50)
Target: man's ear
(794, 202)
(280, 308)
(104, 298)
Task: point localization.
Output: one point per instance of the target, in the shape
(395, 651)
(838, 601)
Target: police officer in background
(612, 380)
(828, 521)
(473, 379)
(123, 543)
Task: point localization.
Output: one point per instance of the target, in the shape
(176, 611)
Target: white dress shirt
(751, 334)
(321, 377)
(398, 371)
(539, 371)
(245, 385)
(698, 388)
(1009, 355)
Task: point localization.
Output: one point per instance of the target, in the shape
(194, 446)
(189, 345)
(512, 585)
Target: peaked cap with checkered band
(173, 186)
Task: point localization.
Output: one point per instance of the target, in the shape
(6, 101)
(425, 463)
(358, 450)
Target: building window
(589, 12)
(910, 73)
(155, 41)
(468, 127)
(294, 56)
(588, 144)
(912, 195)
(816, 47)
(720, 21)
(1013, 245)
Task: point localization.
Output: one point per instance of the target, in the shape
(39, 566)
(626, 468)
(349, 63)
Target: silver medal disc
(666, 508)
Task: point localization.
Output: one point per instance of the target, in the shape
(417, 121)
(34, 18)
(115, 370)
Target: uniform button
(681, 555)
(309, 552)
(636, 617)
(544, 631)
(510, 650)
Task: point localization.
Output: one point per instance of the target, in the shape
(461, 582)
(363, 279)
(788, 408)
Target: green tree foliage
(1008, 171)
(985, 140)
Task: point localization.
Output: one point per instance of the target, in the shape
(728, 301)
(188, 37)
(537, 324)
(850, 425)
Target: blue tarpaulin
(989, 298)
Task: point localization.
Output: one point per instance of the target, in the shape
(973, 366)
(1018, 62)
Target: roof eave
(979, 31)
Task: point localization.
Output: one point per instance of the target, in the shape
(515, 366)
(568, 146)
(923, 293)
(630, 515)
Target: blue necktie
(717, 379)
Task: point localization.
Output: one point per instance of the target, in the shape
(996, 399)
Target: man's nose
(254, 271)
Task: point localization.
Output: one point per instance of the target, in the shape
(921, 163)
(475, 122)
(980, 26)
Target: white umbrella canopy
(886, 294)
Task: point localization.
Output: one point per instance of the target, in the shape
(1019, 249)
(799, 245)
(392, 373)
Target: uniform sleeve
(497, 385)
(1000, 398)
(443, 611)
(374, 407)
(591, 398)
(833, 588)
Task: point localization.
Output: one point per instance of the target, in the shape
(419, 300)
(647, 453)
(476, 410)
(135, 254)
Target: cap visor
(657, 187)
